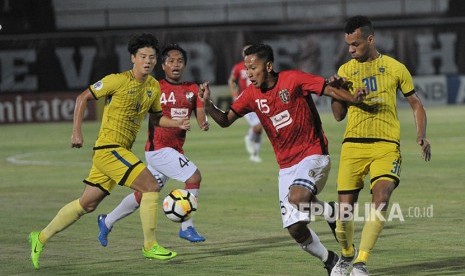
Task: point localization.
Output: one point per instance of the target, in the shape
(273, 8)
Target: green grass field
(238, 208)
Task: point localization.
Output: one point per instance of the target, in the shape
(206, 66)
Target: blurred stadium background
(51, 50)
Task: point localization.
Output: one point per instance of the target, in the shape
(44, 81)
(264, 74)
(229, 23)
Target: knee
(194, 181)
(298, 196)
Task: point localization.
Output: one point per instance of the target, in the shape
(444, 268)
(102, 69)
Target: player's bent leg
(65, 217)
(105, 222)
(310, 243)
(381, 194)
(188, 231)
(149, 187)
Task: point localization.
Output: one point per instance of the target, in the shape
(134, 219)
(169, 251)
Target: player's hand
(205, 126)
(425, 148)
(360, 94)
(204, 92)
(76, 140)
(339, 82)
(184, 123)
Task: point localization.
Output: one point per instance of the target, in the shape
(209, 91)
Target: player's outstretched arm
(80, 107)
(202, 120)
(224, 119)
(419, 115)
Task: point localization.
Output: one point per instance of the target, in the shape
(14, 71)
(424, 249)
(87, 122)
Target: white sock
(315, 248)
(126, 207)
(189, 222)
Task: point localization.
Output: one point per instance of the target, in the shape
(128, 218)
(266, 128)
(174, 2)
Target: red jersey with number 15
(177, 101)
(288, 115)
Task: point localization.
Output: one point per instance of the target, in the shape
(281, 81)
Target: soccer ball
(179, 205)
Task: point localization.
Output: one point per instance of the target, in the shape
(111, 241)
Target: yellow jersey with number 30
(375, 119)
(127, 102)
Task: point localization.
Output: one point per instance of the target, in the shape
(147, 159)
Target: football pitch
(238, 212)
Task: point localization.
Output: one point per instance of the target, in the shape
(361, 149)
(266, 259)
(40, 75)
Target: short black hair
(263, 51)
(359, 21)
(170, 47)
(141, 41)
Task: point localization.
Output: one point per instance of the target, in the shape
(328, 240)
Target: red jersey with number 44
(288, 115)
(177, 101)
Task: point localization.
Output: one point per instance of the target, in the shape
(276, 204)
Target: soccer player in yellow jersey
(371, 142)
(129, 96)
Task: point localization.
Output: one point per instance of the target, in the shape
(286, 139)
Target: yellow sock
(345, 236)
(371, 231)
(148, 217)
(67, 215)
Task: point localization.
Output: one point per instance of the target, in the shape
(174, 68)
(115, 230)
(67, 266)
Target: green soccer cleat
(158, 252)
(36, 248)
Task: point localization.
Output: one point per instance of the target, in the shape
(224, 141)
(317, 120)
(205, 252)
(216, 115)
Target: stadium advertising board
(35, 66)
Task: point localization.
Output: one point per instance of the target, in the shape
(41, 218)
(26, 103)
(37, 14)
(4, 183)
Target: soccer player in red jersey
(163, 150)
(284, 105)
(237, 82)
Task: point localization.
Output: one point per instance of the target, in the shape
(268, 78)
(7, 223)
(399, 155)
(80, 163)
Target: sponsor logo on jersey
(149, 93)
(281, 120)
(179, 112)
(381, 69)
(189, 96)
(284, 96)
(98, 85)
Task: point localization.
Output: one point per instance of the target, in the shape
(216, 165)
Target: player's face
(174, 66)
(359, 46)
(144, 61)
(257, 71)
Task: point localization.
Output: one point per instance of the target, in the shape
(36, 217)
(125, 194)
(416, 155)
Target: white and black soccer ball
(179, 205)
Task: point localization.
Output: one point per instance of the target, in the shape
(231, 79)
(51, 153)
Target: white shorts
(252, 119)
(168, 163)
(311, 173)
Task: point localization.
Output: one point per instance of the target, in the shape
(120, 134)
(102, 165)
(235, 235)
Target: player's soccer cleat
(248, 145)
(103, 230)
(36, 248)
(191, 235)
(255, 159)
(158, 252)
(332, 219)
(343, 266)
(359, 269)
(331, 261)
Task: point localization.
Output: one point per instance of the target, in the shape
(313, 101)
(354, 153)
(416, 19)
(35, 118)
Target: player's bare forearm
(202, 120)
(218, 115)
(339, 109)
(419, 115)
(160, 120)
(80, 107)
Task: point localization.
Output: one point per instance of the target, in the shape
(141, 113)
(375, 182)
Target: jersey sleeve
(405, 80)
(311, 84)
(106, 86)
(242, 105)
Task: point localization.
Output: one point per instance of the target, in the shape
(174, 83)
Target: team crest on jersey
(284, 96)
(311, 173)
(149, 93)
(381, 69)
(189, 96)
(98, 85)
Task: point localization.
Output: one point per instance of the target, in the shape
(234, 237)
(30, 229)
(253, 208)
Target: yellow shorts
(113, 165)
(382, 160)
